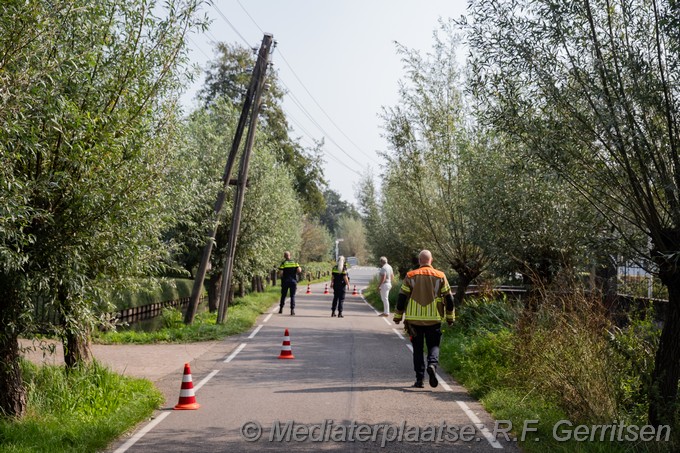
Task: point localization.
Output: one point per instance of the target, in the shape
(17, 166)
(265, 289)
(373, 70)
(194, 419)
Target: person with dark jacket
(424, 300)
(339, 285)
(288, 271)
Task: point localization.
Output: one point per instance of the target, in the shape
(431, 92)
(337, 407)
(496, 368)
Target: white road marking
(268, 316)
(235, 353)
(443, 383)
(471, 415)
(480, 426)
(133, 440)
(377, 312)
(252, 335)
(366, 302)
(205, 379)
(142, 432)
(399, 334)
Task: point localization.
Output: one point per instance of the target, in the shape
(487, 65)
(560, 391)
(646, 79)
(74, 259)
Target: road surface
(348, 389)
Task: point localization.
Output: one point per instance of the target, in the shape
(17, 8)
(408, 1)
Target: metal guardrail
(496, 289)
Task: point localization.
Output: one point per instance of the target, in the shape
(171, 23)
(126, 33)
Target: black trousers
(338, 299)
(429, 336)
(285, 287)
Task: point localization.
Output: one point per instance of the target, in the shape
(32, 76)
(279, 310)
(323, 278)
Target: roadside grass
(483, 351)
(241, 316)
(79, 411)
(478, 362)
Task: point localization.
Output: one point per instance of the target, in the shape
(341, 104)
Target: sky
(337, 60)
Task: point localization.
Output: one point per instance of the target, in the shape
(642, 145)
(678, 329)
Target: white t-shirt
(387, 271)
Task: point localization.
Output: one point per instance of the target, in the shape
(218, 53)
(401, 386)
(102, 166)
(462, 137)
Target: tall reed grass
(81, 410)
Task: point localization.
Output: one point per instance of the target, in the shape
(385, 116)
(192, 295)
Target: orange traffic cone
(355, 293)
(286, 351)
(309, 290)
(187, 400)
(325, 291)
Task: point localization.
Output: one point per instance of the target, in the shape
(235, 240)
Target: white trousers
(384, 295)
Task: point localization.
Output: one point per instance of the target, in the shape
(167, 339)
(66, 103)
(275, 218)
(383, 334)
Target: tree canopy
(88, 108)
(591, 89)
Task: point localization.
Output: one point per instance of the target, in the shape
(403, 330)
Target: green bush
(635, 347)
(482, 361)
(153, 290)
(488, 314)
(172, 318)
(310, 270)
(563, 352)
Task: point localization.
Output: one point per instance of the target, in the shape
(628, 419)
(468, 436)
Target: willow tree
(272, 217)
(591, 87)
(429, 147)
(88, 93)
(317, 242)
(531, 221)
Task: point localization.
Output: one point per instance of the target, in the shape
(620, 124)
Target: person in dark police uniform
(288, 272)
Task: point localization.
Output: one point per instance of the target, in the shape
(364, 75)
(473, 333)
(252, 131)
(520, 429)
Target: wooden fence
(46, 315)
(148, 311)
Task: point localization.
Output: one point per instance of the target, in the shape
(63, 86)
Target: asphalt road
(347, 390)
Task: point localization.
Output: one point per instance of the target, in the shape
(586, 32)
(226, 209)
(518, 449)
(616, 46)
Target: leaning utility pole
(259, 74)
(219, 203)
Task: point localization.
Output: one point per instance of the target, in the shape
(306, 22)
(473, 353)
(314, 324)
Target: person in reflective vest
(288, 271)
(424, 300)
(339, 284)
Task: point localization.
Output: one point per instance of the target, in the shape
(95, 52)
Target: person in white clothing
(386, 276)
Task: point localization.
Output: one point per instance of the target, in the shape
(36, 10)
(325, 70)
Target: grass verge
(483, 351)
(80, 411)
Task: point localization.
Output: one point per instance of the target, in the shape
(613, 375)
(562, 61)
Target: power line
(299, 125)
(297, 102)
(319, 105)
(245, 41)
(248, 14)
(198, 47)
(312, 97)
(213, 40)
